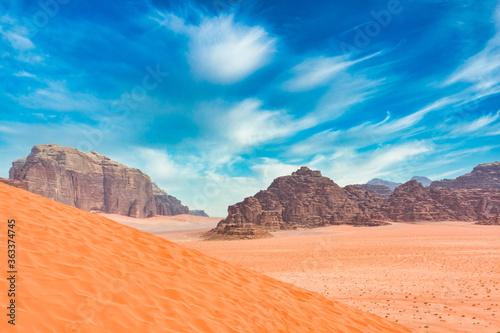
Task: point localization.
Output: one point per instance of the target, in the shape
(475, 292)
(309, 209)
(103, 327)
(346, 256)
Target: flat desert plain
(433, 277)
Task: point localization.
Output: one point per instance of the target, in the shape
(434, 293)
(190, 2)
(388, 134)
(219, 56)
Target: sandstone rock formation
(89, 181)
(377, 189)
(306, 199)
(16, 183)
(412, 202)
(482, 176)
(303, 199)
(167, 204)
(198, 212)
(495, 220)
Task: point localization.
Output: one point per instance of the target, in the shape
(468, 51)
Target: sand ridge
(80, 272)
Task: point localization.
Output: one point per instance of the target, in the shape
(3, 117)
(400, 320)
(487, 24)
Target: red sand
(79, 272)
(433, 277)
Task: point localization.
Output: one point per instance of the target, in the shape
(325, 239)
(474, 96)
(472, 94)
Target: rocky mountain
(92, 182)
(389, 184)
(422, 180)
(198, 212)
(306, 199)
(412, 202)
(377, 189)
(482, 176)
(303, 199)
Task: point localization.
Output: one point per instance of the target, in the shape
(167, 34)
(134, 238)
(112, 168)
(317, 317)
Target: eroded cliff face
(482, 176)
(88, 181)
(92, 182)
(304, 199)
(412, 202)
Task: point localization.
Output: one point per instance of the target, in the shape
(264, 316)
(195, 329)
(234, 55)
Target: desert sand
(80, 272)
(432, 277)
(178, 228)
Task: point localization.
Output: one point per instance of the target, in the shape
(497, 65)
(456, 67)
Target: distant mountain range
(385, 187)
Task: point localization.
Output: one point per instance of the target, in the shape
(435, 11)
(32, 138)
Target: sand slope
(79, 272)
(433, 276)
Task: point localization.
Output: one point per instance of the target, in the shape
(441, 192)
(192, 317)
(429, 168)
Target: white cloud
(234, 128)
(25, 74)
(394, 162)
(479, 124)
(56, 96)
(17, 41)
(482, 70)
(221, 50)
(270, 168)
(16, 36)
(162, 167)
(319, 71)
(365, 134)
(443, 175)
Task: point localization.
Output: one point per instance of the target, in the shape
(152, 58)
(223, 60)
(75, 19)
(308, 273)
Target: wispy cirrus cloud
(56, 96)
(221, 50)
(480, 124)
(318, 71)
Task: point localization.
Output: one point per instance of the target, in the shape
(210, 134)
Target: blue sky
(214, 99)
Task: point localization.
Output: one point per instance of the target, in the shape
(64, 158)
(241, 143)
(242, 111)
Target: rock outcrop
(16, 183)
(198, 212)
(304, 199)
(495, 220)
(412, 202)
(377, 189)
(482, 176)
(167, 204)
(89, 181)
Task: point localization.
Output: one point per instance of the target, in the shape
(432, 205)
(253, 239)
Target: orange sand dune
(79, 272)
